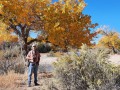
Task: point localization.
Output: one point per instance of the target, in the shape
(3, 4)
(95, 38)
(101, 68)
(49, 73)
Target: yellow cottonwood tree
(6, 35)
(22, 16)
(110, 40)
(66, 25)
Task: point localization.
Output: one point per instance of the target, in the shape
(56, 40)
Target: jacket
(30, 57)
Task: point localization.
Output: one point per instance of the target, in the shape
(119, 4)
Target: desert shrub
(19, 68)
(51, 54)
(89, 71)
(55, 54)
(11, 59)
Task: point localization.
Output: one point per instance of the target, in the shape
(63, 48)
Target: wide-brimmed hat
(33, 45)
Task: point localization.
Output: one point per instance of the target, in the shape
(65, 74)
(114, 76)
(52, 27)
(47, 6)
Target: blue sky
(103, 12)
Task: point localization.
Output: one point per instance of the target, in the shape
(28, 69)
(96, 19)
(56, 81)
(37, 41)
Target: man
(33, 58)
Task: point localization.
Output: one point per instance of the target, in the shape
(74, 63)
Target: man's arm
(28, 57)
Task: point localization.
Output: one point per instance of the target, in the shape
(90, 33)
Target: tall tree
(66, 25)
(110, 39)
(22, 16)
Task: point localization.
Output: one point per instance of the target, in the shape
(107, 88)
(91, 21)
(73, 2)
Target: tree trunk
(25, 46)
(113, 49)
(25, 49)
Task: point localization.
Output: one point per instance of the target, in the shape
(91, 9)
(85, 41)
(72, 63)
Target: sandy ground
(46, 63)
(115, 59)
(44, 59)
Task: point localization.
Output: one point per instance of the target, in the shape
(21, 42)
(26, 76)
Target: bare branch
(15, 29)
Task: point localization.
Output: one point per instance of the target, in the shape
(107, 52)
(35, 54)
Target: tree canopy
(109, 39)
(66, 25)
(22, 16)
(62, 21)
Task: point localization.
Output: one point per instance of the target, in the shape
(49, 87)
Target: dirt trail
(47, 60)
(44, 85)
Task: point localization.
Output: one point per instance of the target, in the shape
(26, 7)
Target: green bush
(43, 48)
(89, 71)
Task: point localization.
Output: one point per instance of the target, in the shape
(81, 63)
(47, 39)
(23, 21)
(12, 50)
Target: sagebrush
(88, 71)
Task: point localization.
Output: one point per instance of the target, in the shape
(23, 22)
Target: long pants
(32, 68)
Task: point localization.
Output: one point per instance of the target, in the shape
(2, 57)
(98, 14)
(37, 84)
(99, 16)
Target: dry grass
(12, 80)
(55, 54)
(58, 54)
(1, 52)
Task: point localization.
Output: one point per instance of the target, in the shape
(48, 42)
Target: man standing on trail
(33, 58)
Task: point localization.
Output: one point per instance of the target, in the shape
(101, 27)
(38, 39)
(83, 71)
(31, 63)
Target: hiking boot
(36, 84)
